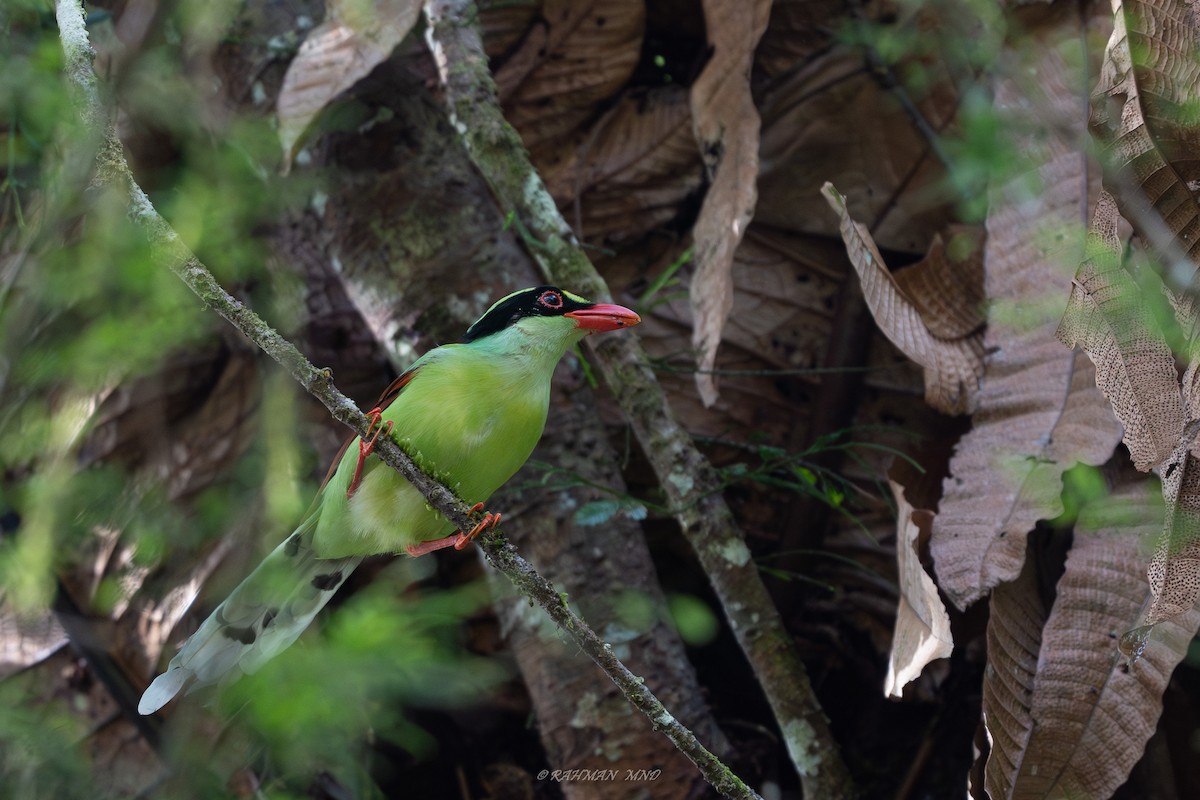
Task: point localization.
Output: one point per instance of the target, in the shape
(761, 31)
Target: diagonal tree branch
(689, 481)
(112, 171)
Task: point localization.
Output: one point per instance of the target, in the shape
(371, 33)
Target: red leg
(421, 549)
(367, 446)
(456, 540)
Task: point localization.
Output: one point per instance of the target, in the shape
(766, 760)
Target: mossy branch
(112, 171)
(686, 477)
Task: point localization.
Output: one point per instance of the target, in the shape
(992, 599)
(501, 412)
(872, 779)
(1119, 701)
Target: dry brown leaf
(1174, 573)
(922, 632)
(799, 29)
(953, 367)
(780, 321)
(632, 172)
(183, 425)
(1136, 370)
(832, 120)
(502, 23)
(27, 638)
(1141, 106)
(1006, 473)
(1039, 411)
(781, 309)
(1014, 638)
(1076, 718)
(575, 55)
(1134, 365)
(726, 124)
(180, 428)
(782, 305)
(948, 291)
(354, 38)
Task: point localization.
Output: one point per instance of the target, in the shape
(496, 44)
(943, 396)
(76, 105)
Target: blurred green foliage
(84, 304)
(695, 621)
(86, 307)
(390, 646)
(927, 47)
(38, 753)
(1083, 486)
(689, 615)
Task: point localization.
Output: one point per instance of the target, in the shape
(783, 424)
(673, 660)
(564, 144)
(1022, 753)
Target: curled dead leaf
(1174, 572)
(1134, 365)
(922, 632)
(726, 125)
(1143, 107)
(354, 38)
(948, 290)
(953, 367)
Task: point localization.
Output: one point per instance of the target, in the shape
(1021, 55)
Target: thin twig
(113, 171)
(688, 480)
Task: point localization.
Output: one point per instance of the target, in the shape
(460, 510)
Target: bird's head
(547, 312)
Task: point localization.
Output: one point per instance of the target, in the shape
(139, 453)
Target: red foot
(456, 540)
(489, 521)
(367, 446)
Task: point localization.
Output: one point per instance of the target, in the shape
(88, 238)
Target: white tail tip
(164, 688)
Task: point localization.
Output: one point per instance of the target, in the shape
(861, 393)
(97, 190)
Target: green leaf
(694, 620)
(597, 512)
(805, 474)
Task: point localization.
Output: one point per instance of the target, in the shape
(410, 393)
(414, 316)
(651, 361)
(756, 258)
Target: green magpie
(469, 413)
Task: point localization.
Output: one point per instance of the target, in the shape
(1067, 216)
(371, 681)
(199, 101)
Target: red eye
(551, 300)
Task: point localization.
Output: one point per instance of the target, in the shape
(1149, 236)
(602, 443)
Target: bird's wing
(386, 399)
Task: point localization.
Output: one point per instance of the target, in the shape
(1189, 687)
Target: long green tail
(260, 618)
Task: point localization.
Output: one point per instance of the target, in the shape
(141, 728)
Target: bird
(469, 413)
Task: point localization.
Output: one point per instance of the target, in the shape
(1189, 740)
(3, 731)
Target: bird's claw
(489, 520)
(367, 446)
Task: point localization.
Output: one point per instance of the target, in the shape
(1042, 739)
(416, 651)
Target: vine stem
(112, 171)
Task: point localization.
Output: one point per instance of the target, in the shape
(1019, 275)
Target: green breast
(473, 432)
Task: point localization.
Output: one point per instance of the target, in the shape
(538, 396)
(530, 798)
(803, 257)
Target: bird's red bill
(604, 317)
